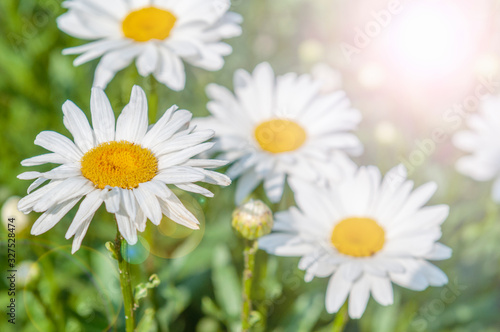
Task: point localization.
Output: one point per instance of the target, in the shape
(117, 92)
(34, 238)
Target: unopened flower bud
(253, 220)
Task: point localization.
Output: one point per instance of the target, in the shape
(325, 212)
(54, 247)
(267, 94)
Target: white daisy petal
(179, 174)
(53, 158)
(274, 184)
(132, 124)
(193, 188)
(147, 62)
(175, 210)
(169, 124)
(59, 144)
(52, 216)
(78, 125)
(381, 289)
(180, 157)
(80, 234)
(149, 204)
(246, 184)
(439, 252)
(103, 118)
(170, 70)
(358, 298)
(86, 210)
(337, 291)
(113, 62)
(112, 200)
(126, 227)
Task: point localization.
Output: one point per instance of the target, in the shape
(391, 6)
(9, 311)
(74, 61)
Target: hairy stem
(251, 247)
(125, 284)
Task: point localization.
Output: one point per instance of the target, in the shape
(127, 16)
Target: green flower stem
(341, 319)
(251, 247)
(153, 100)
(125, 284)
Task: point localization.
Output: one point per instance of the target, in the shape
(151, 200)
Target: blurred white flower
(9, 210)
(483, 164)
(277, 127)
(127, 168)
(365, 234)
(159, 34)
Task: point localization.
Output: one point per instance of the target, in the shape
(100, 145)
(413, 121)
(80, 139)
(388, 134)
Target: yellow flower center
(358, 237)
(280, 135)
(148, 23)
(119, 164)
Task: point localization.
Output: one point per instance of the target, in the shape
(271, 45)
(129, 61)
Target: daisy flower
(128, 167)
(483, 164)
(159, 34)
(364, 234)
(277, 127)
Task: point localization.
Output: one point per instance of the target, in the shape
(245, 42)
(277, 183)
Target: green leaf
(141, 290)
(226, 283)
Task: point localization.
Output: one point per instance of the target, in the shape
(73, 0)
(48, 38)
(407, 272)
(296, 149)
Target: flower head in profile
(274, 127)
(481, 141)
(125, 165)
(364, 234)
(159, 34)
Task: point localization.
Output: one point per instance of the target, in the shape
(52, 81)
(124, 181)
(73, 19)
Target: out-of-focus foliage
(200, 271)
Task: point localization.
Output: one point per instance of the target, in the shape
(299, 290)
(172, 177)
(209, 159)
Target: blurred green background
(200, 271)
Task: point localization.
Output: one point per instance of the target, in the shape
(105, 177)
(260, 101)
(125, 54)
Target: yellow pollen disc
(280, 135)
(148, 23)
(358, 237)
(119, 164)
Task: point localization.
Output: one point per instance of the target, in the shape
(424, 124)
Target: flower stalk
(341, 319)
(125, 284)
(251, 247)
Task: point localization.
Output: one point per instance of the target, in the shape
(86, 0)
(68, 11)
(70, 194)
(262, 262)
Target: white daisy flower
(483, 164)
(365, 234)
(127, 167)
(277, 127)
(159, 34)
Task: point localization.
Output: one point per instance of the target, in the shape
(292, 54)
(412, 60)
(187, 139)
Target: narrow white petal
(127, 228)
(52, 216)
(246, 185)
(148, 204)
(80, 234)
(179, 174)
(193, 188)
(59, 144)
(336, 292)
(175, 210)
(53, 158)
(112, 200)
(274, 184)
(381, 289)
(103, 118)
(87, 209)
(78, 125)
(132, 124)
(358, 299)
